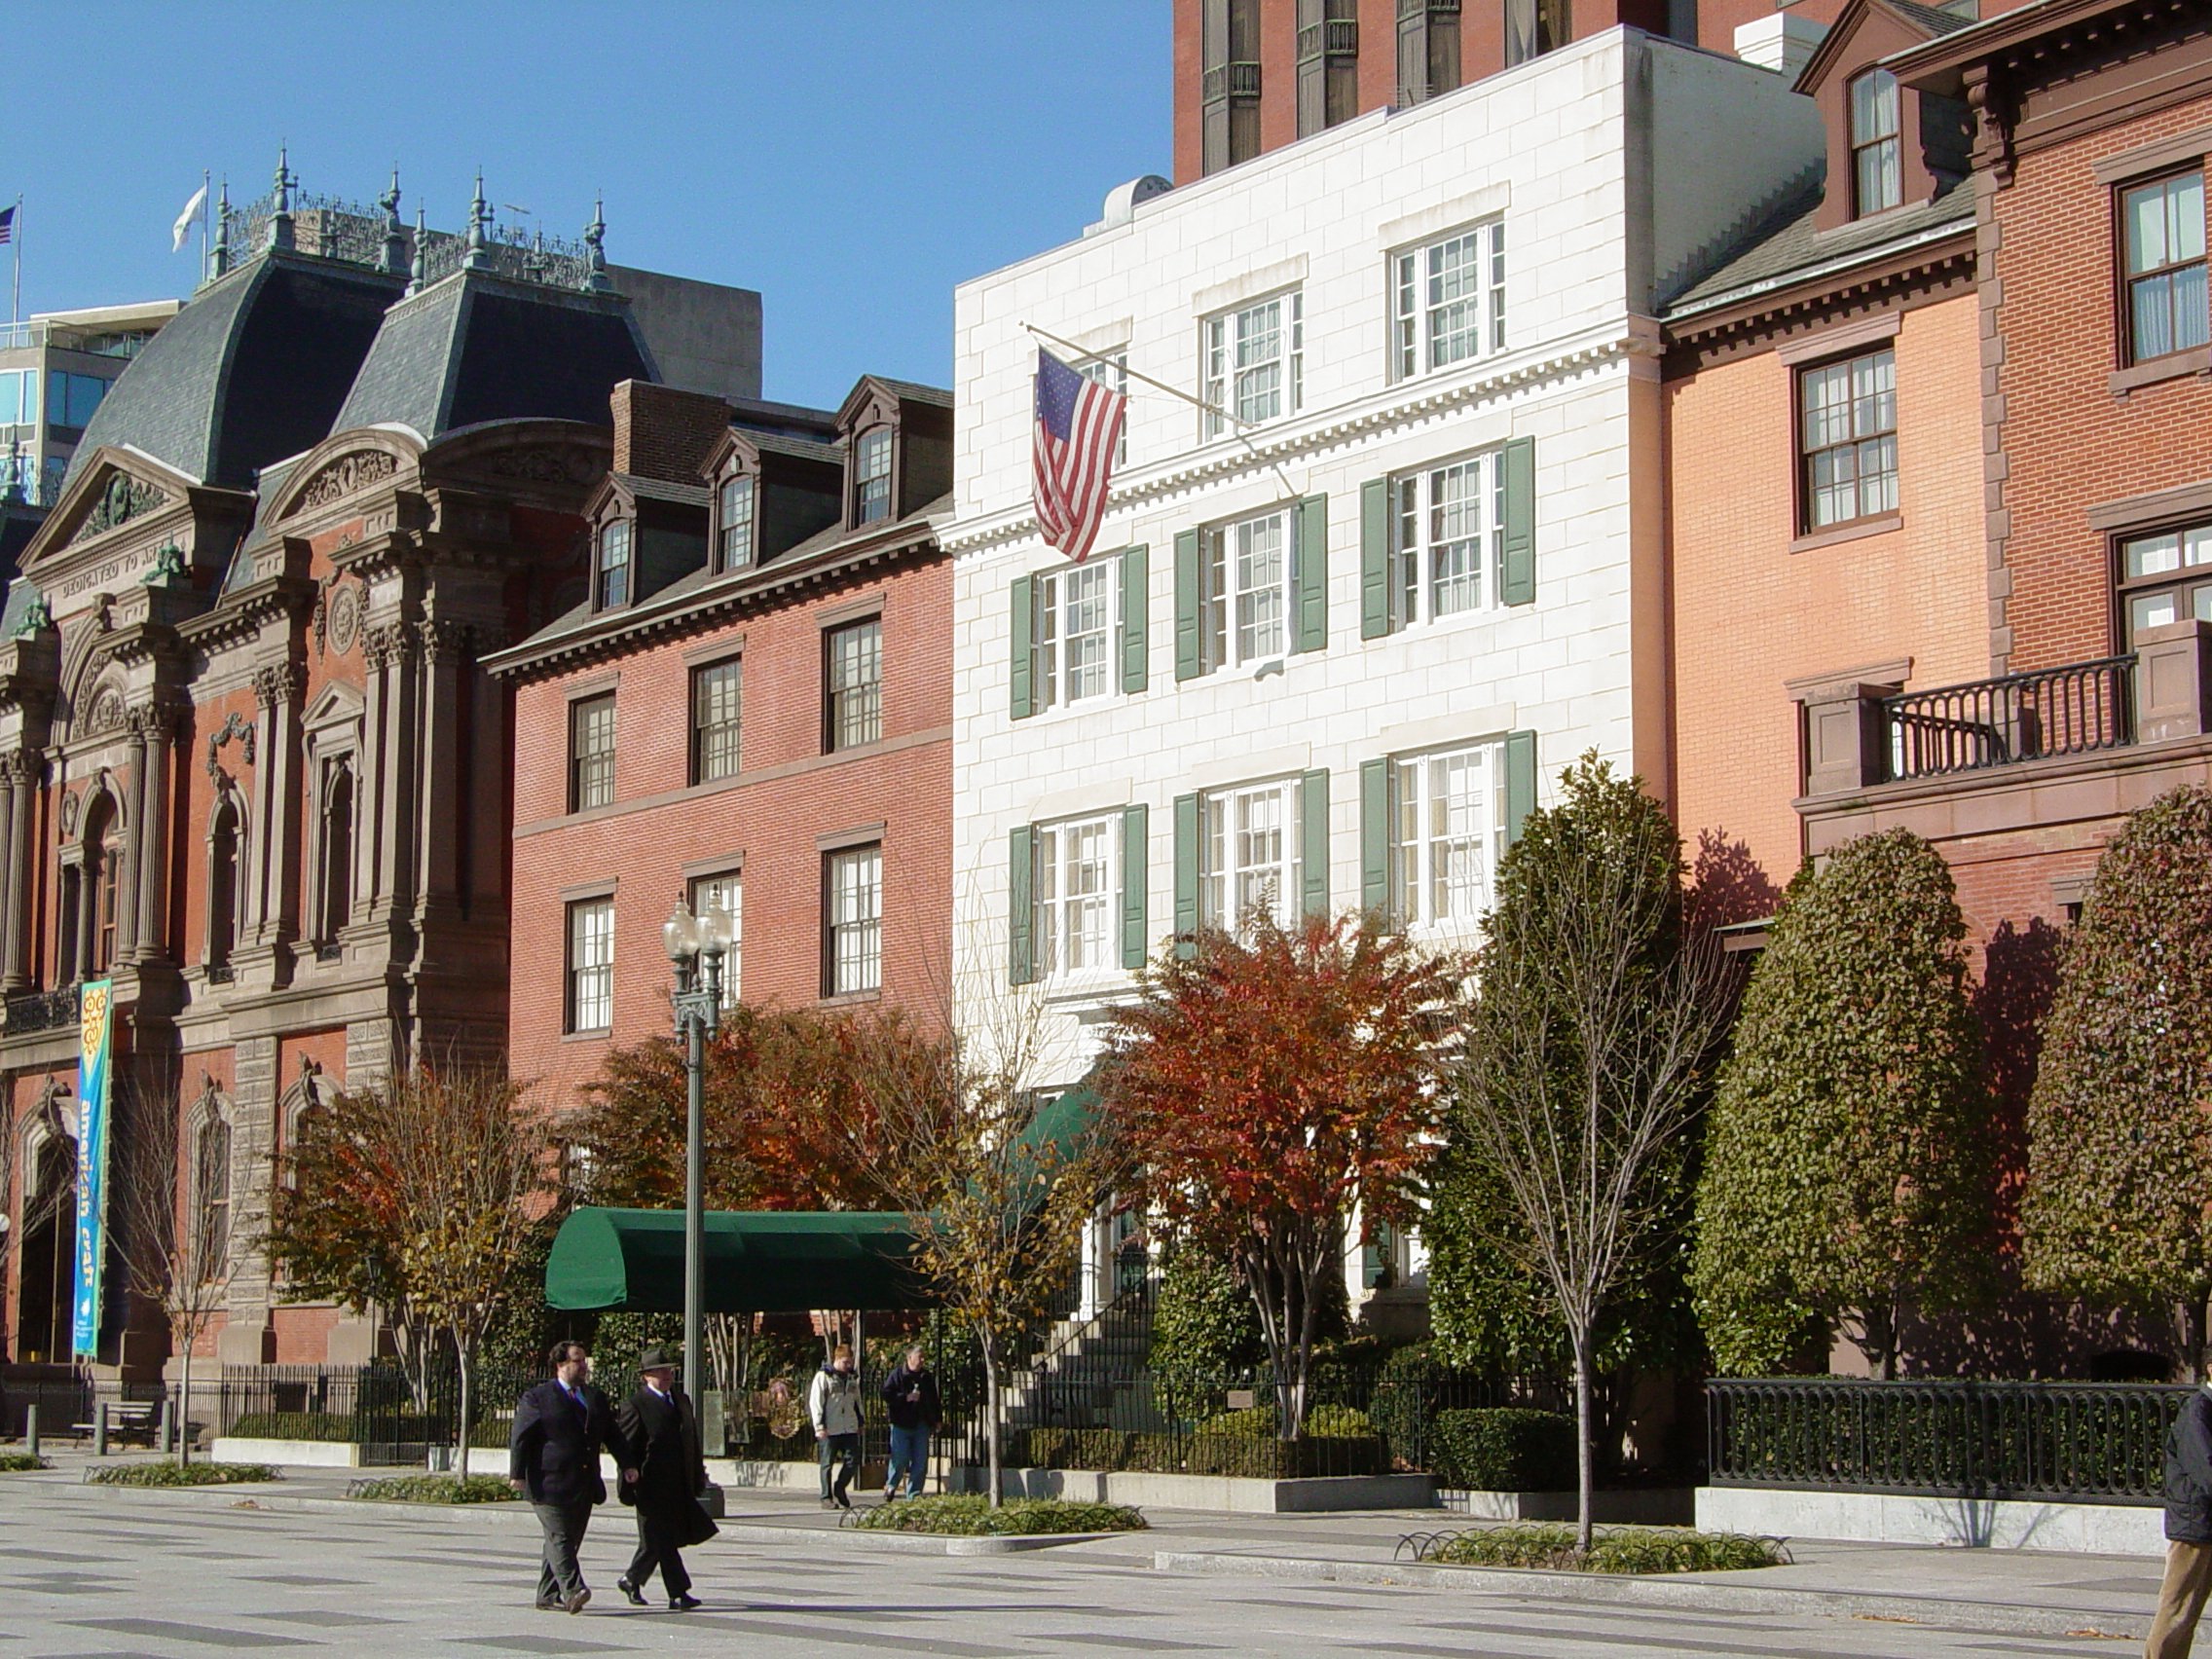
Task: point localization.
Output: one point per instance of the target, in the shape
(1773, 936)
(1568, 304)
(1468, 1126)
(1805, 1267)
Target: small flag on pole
(186, 219)
(7, 226)
(1079, 424)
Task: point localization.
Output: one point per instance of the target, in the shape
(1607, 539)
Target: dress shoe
(636, 1595)
(575, 1603)
(683, 1604)
(844, 1500)
(548, 1604)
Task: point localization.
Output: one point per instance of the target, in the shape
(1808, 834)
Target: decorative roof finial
(595, 247)
(280, 219)
(219, 258)
(479, 221)
(395, 233)
(420, 268)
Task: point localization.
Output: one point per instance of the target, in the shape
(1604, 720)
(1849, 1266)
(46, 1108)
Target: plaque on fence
(1243, 1399)
(713, 1442)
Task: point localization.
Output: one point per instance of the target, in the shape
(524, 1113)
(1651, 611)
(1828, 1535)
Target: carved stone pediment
(541, 464)
(123, 500)
(346, 475)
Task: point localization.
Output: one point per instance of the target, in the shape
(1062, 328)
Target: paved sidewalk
(2023, 1592)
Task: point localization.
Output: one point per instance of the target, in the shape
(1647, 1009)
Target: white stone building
(1330, 657)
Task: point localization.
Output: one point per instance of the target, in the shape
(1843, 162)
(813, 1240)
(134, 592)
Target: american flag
(7, 226)
(1079, 423)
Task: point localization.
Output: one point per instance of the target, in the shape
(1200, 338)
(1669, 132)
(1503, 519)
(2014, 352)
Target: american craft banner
(91, 1161)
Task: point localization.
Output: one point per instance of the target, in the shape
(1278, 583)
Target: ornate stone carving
(386, 644)
(19, 766)
(236, 728)
(107, 713)
(282, 683)
(70, 805)
(540, 466)
(167, 565)
(36, 616)
(155, 721)
(349, 472)
(123, 498)
(346, 602)
(441, 637)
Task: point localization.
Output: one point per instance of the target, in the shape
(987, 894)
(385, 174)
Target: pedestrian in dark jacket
(910, 1400)
(560, 1427)
(666, 1476)
(2189, 1530)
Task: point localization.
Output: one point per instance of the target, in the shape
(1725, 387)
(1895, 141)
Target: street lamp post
(696, 946)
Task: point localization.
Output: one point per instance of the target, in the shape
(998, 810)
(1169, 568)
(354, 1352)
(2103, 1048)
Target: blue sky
(852, 160)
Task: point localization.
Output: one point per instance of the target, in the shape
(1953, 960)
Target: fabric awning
(757, 1262)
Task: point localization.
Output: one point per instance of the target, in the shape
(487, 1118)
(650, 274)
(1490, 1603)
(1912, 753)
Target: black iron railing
(40, 1010)
(2075, 710)
(2076, 1442)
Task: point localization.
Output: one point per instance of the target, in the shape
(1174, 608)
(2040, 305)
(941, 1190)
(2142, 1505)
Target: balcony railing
(39, 1010)
(2076, 710)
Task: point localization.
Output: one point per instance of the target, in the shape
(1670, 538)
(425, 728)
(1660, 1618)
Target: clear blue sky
(852, 160)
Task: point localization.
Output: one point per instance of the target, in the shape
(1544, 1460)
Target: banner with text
(91, 1161)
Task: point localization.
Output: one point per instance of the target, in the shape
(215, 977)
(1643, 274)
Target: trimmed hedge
(335, 1427)
(179, 1474)
(433, 1488)
(1322, 1422)
(20, 1463)
(1505, 1449)
(342, 1428)
(1245, 1456)
(972, 1516)
(1549, 1546)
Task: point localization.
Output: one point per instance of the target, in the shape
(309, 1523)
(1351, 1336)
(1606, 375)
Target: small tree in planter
(2119, 1158)
(1848, 1163)
(1264, 1087)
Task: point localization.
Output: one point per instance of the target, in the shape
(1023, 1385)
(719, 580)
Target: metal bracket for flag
(1199, 403)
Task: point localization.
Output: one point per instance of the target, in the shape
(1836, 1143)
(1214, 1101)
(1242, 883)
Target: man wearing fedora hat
(664, 1478)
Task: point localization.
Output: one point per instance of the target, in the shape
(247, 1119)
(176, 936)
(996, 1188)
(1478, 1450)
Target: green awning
(756, 1261)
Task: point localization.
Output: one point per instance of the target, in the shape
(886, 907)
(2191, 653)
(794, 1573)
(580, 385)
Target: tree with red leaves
(1269, 1084)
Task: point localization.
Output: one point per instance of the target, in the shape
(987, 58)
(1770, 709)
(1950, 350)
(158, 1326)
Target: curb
(1703, 1594)
(269, 1496)
(912, 1544)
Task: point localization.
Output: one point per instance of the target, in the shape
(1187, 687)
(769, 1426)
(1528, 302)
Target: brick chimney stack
(663, 432)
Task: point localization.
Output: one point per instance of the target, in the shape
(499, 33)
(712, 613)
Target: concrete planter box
(1881, 1518)
(1636, 1506)
(1225, 1494)
(303, 1453)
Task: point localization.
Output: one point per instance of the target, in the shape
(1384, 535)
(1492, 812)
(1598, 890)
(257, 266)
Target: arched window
(102, 886)
(46, 1266)
(336, 853)
(734, 524)
(211, 1185)
(222, 889)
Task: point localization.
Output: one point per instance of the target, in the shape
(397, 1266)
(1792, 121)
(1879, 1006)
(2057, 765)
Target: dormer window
(733, 531)
(1877, 157)
(871, 475)
(614, 565)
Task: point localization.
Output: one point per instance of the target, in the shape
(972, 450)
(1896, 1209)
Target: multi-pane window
(717, 693)
(2162, 225)
(1249, 854)
(726, 893)
(614, 565)
(1847, 435)
(211, 1182)
(1534, 27)
(1877, 157)
(854, 954)
(18, 398)
(2167, 578)
(871, 475)
(853, 689)
(1074, 632)
(1112, 371)
(1447, 539)
(1073, 894)
(1255, 364)
(1448, 835)
(1245, 591)
(591, 753)
(591, 966)
(1448, 300)
(734, 525)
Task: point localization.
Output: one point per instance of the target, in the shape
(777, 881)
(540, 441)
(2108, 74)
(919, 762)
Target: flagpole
(15, 241)
(206, 178)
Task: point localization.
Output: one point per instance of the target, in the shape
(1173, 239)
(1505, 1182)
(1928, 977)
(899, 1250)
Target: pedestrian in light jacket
(560, 1427)
(911, 1402)
(834, 1402)
(666, 1476)
(2189, 1530)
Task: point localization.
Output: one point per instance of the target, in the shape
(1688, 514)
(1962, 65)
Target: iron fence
(2076, 1442)
(2075, 710)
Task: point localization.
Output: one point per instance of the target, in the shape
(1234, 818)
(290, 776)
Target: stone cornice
(1394, 409)
(242, 614)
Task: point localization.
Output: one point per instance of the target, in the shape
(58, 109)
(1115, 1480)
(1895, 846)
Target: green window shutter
(1518, 585)
(1187, 665)
(1024, 647)
(1137, 630)
(1520, 781)
(1314, 574)
(1136, 872)
(1313, 843)
(1020, 895)
(1375, 836)
(1374, 558)
(1186, 873)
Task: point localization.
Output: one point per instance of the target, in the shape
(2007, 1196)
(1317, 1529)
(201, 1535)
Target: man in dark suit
(663, 1475)
(553, 1455)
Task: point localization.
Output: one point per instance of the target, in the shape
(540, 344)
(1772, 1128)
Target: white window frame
(588, 934)
(1062, 597)
(1421, 846)
(727, 538)
(727, 889)
(1111, 370)
(1075, 895)
(1424, 301)
(871, 475)
(854, 920)
(604, 567)
(1442, 565)
(1234, 374)
(1244, 619)
(1234, 868)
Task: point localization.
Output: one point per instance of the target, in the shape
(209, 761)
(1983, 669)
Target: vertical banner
(91, 1161)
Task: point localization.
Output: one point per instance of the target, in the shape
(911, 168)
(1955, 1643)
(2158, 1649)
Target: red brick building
(752, 706)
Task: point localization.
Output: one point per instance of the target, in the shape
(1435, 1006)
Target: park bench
(126, 1419)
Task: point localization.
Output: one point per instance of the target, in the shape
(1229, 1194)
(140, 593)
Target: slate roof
(775, 443)
(1793, 245)
(661, 490)
(1933, 19)
(254, 369)
(915, 392)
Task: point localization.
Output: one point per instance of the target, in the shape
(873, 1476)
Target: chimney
(665, 433)
(1781, 40)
